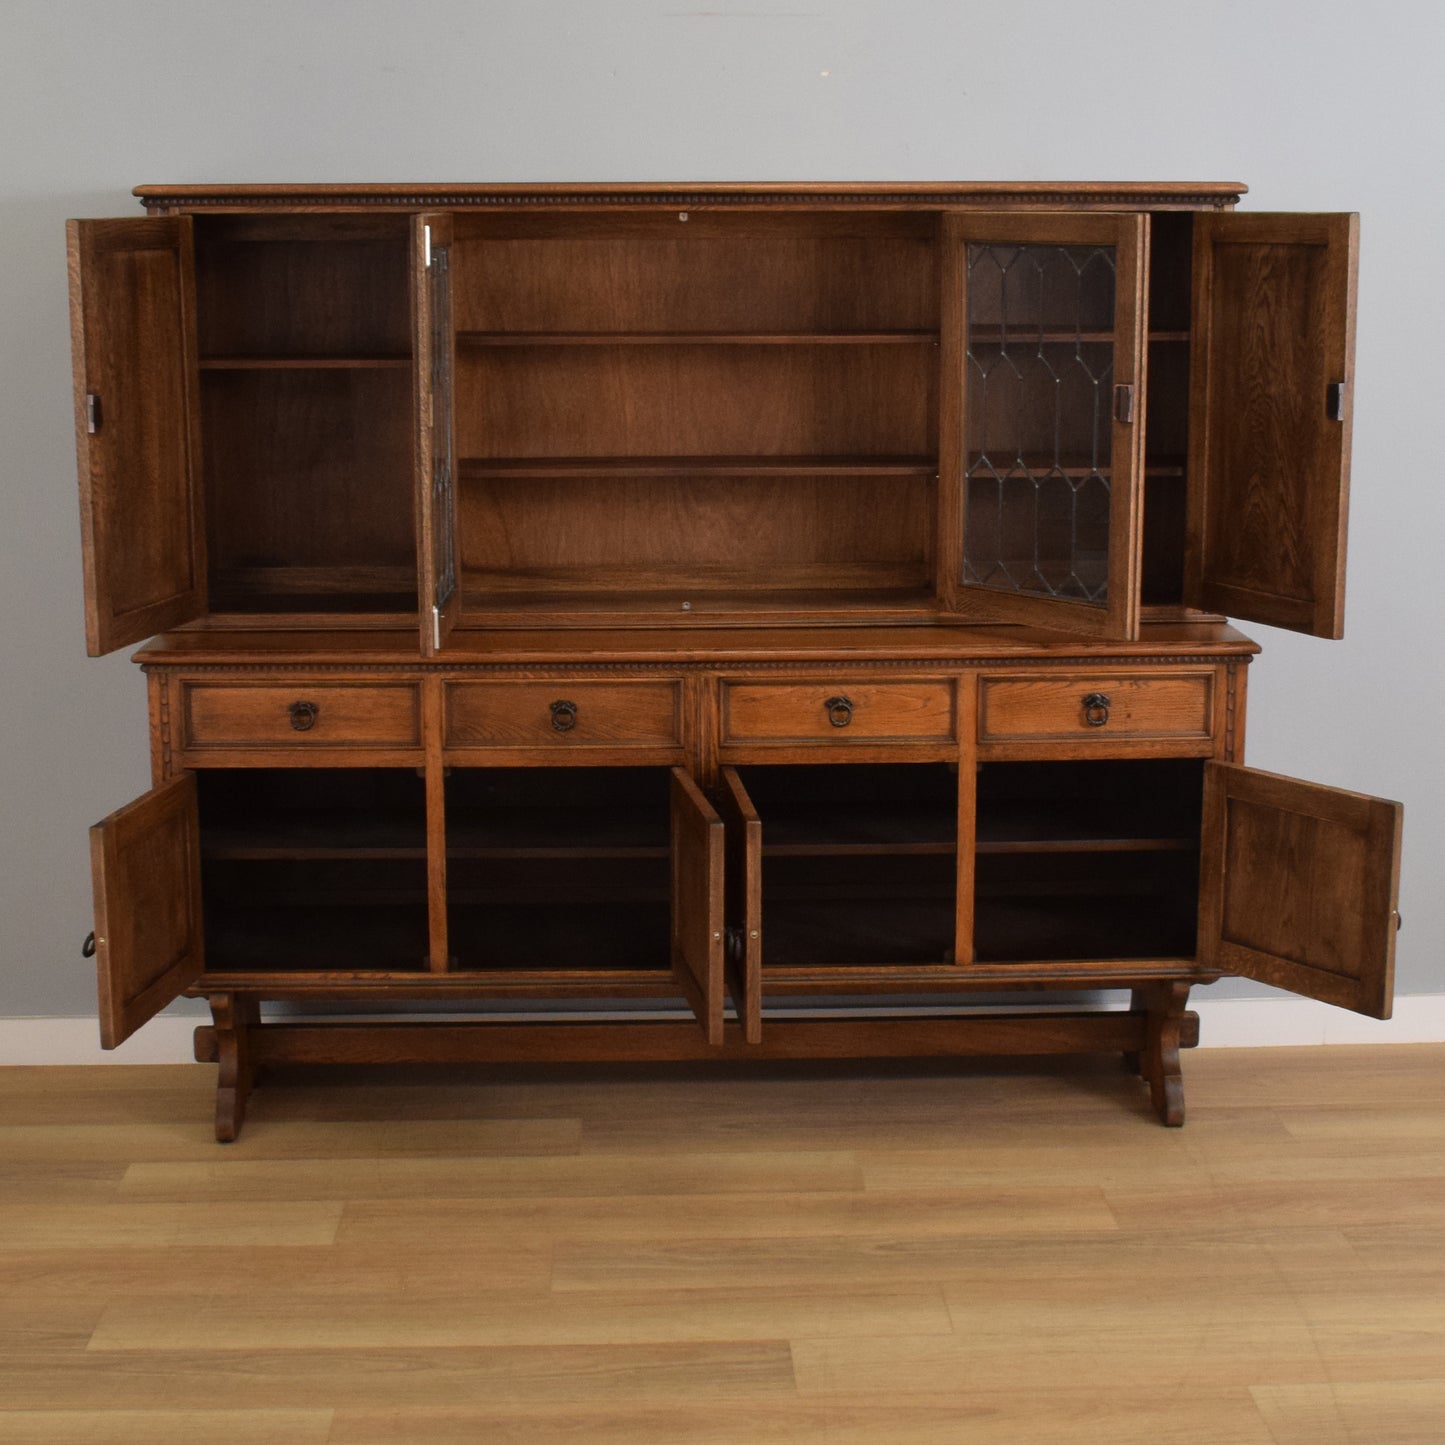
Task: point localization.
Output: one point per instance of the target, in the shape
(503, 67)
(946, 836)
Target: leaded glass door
(435, 342)
(1042, 477)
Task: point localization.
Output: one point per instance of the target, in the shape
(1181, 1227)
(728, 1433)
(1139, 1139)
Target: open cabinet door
(145, 864)
(697, 903)
(744, 904)
(1298, 887)
(1272, 372)
(1041, 441)
(137, 426)
(438, 542)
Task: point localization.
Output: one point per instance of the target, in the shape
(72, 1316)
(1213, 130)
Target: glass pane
(1038, 425)
(444, 580)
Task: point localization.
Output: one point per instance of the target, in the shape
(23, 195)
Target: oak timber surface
(996, 1253)
(687, 643)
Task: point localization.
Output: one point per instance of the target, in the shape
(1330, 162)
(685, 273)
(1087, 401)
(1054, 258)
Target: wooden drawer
(839, 712)
(564, 714)
(300, 714)
(1096, 709)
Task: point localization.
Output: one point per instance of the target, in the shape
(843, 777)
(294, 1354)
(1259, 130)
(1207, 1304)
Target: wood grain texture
(743, 879)
(309, 478)
(712, 273)
(1299, 886)
(697, 903)
(318, 288)
(967, 1254)
(133, 347)
(520, 714)
(258, 715)
(1052, 707)
(146, 873)
(864, 710)
(1269, 467)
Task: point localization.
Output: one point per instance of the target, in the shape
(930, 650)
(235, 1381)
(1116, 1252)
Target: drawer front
(564, 714)
(300, 714)
(838, 712)
(1096, 708)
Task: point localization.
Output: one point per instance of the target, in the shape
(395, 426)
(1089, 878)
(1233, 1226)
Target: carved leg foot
(234, 1019)
(1161, 1051)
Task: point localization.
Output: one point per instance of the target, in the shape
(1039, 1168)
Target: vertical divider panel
(433, 691)
(947, 553)
(966, 714)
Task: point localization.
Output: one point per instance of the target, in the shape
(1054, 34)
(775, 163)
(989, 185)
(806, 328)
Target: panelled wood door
(1041, 444)
(697, 903)
(434, 356)
(1272, 367)
(745, 904)
(137, 424)
(146, 870)
(1298, 886)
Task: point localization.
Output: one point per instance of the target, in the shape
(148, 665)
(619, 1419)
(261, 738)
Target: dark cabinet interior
(859, 862)
(304, 342)
(313, 869)
(1081, 860)
(558, 869)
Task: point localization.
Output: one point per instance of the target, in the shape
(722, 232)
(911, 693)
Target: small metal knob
(87, 949)
(1096, 709)
(840, 711)
(564, 715)
(303, 715)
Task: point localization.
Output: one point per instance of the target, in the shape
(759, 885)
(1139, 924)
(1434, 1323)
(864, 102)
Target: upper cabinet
(1149, 411)
(553, 409)
(245, 411)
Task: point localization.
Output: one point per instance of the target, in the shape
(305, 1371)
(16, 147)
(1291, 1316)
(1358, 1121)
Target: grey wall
(1328, 106)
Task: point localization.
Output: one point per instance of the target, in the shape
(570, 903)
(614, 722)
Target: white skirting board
(1226, 1023)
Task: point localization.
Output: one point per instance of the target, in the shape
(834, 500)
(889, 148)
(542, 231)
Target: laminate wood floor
(983, 1253)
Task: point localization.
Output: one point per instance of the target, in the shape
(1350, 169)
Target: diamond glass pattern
(1040, 362)
(444, 582)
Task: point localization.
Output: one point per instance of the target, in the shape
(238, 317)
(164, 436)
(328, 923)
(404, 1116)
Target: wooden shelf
(856, 830)
(1029, 467)
(995, 336)
(556, 833)
(317, 836)
(479, 339)
(315, 934)
(1026, 842)
(559, 936)
(1100, 926)
(306, 363)
(473, 469)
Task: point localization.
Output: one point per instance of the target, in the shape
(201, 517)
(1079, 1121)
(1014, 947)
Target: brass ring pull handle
(303, 715)
(840, 711)
(87, 949)
(1096, 709)
(564, 715)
